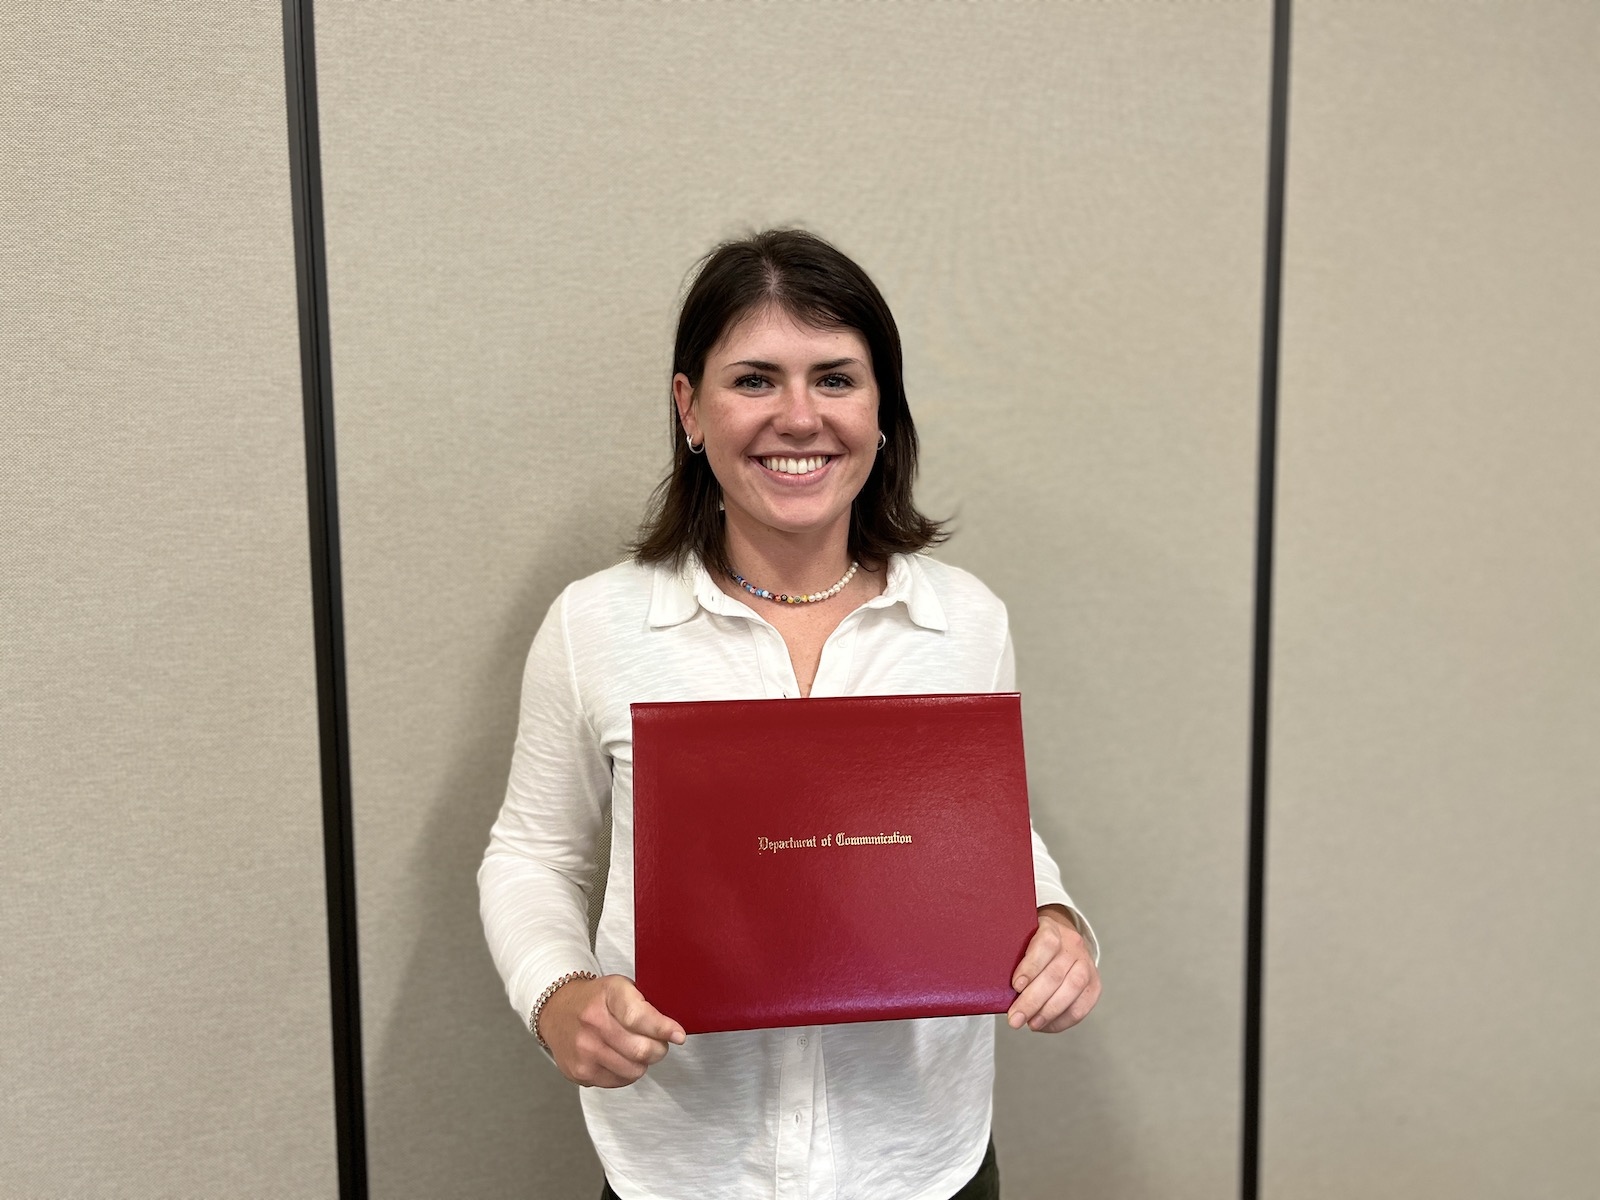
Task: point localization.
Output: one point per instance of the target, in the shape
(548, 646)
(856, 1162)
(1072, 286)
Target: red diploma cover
(802, 862)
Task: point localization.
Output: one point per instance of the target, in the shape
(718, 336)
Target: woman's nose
(798, 413)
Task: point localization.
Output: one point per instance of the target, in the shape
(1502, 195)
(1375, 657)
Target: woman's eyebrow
(833, 364)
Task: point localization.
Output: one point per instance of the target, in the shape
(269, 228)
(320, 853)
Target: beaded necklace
(783, 598)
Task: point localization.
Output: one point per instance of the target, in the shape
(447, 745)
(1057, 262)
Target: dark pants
(985, 1185)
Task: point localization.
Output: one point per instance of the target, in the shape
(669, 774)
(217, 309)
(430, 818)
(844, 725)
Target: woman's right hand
(604, 1033)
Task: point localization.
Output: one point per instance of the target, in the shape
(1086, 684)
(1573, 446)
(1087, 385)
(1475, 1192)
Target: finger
(1042, 947)
(1033, 997)
(637, 1015)
(1059, 1001)
(622, 1070)
(595, 1064)
(593, 1076)
(1079, 1009)
(637, 1048)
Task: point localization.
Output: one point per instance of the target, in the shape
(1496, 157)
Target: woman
(780, 560)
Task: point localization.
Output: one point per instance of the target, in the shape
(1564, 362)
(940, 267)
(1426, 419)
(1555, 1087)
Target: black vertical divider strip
(1261, 686)
(316, 373)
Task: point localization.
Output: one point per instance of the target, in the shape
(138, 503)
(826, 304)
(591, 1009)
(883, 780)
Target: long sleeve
(914, 1097)
(534, 882)
(1046, 874)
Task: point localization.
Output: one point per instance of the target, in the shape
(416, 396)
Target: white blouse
(892, 1110)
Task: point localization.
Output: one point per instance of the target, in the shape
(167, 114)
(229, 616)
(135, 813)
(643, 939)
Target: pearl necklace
(782, 598)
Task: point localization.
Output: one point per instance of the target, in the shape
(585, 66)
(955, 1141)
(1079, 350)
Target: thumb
(1034, 960)
(637, 1015)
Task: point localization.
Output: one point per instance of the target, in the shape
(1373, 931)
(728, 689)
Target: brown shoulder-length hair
(819, 286)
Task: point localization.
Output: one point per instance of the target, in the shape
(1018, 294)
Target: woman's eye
(750, 381)
(836, 382)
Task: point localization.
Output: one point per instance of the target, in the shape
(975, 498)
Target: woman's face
(789, 418)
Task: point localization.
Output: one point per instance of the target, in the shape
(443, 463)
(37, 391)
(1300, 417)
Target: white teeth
(795, 466)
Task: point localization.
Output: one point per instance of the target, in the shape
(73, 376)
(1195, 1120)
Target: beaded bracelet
(544, 997)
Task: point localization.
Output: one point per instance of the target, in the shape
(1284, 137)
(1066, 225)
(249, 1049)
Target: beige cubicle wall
(1064, 204)
(163, 956)
(1431, 962)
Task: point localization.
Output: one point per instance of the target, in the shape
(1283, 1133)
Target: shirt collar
(675, 595)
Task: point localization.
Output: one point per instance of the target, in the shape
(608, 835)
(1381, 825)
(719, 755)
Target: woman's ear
(683, 397)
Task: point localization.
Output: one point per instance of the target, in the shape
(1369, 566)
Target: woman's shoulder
(614, 591)
(960, 592)
(601, 613)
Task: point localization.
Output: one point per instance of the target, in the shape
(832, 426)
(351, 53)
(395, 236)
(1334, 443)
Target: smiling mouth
(797, 466)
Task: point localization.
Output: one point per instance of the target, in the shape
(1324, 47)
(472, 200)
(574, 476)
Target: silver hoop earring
(883, 439)
(693, 449)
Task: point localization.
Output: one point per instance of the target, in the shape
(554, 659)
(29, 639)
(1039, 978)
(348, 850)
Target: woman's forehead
(771, 331)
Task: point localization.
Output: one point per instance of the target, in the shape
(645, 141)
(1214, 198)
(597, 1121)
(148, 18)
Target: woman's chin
(795, 520)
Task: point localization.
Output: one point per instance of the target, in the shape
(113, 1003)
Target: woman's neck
(789, 562)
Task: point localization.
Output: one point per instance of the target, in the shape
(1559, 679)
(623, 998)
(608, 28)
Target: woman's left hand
(1057, 978)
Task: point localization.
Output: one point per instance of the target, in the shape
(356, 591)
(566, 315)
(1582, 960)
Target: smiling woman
(787, 415)
(794, 455)
(786, 350)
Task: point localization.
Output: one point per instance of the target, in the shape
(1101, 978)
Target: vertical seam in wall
(1261, 670)
(316, 374)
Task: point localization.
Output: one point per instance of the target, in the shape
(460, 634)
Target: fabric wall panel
(164, 987)
(1437, 664)
(1064, 206)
